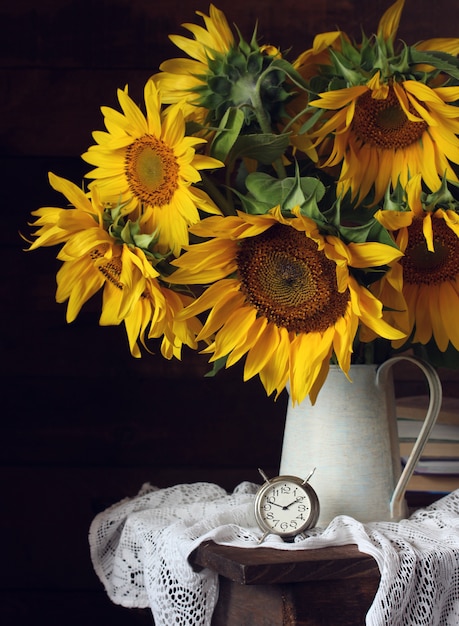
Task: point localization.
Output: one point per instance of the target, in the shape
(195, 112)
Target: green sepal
(367, 55)
(217, 365)
(288, 69)
(442, 198)
(130, 233)
(355, 56)
(305, 193)
(220, 85)
(401, 66)
(397, 200)
(342, 68)
(371, 231)
(356, 224)
(254, 63)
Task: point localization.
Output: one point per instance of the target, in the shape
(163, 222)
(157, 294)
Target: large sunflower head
(149, 167)
(392, 108)
(282, 295)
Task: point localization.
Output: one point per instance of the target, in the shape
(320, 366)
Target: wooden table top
(263, 565)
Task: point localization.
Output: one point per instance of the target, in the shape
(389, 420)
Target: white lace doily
(140, 549)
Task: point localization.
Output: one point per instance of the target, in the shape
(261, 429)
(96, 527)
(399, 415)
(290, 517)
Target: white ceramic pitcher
(350, 436)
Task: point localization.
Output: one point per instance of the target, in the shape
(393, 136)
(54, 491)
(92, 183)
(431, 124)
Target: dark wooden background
(83, 423)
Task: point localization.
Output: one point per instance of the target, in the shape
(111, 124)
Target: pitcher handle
(435, 392)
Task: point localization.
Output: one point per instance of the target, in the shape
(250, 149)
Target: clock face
(286, 506)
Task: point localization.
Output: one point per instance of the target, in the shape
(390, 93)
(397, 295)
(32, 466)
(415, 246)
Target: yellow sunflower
(394, 112)
(413, 128)
(282, 295)
(429, 239)
(224, 75)
(94, 260)
(180, 80)
(148, 165)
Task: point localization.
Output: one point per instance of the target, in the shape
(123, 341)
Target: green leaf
(304, 192)
(312, 119)
(312, 187)
(255, 207)
(265, 148)
(440, 60)
(268, 189)
(252, 205)
(227, 134)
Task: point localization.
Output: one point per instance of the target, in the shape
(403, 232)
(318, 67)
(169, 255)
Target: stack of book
(438, 468)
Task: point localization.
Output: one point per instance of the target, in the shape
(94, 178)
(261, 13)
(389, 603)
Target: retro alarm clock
(286, 506)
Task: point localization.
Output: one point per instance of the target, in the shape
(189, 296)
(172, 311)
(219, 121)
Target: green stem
(224, 203)
(265, 123)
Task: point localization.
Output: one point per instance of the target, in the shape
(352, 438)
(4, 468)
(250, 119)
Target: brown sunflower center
(429, 268)
(383, 123)
(289, 281)
(152, 170)
(110, 269)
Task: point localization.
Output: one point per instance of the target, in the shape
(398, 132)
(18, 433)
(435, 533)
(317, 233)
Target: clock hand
(287, 506)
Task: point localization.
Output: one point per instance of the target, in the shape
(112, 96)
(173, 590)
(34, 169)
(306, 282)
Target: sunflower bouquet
(287, 213)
